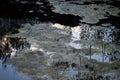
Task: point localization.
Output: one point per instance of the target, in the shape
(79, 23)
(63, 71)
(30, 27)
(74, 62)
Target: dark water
(42, 11)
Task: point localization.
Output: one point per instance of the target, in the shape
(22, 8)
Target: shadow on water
(42, 11)
(114, 20)
(9, 48)
(8, 26)
(36, 10)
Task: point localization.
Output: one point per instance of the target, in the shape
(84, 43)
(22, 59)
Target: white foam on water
(99, 57)
(75, 45)
(58, 26)
(76, 31)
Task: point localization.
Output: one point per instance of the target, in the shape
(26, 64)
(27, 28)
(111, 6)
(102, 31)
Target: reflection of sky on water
(8, 72)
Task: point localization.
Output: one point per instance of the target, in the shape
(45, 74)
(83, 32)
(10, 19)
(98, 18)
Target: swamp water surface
(51, 51)
(60, 44)
(60, 52)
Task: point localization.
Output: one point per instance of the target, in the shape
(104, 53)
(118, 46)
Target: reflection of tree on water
(106, 32)
(10, 47)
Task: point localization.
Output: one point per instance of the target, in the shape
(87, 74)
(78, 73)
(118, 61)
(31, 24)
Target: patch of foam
(50, 54)
(38, 3)
(75, 45)
(78, 45)
(99, 57)
(59, 26)
(14, 51)
(76, 33)
(50, 59)
(46, 76)
(33, 48)
(23, 2)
